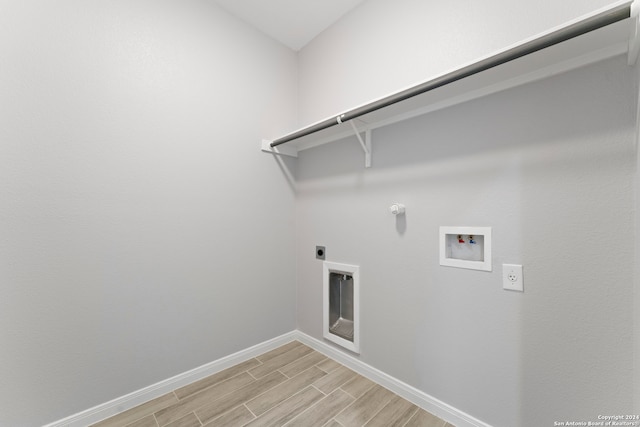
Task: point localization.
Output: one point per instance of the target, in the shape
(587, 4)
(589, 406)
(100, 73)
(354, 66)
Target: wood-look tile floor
(293, 386)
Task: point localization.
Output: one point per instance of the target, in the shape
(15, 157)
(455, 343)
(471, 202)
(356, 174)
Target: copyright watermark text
(603, 420)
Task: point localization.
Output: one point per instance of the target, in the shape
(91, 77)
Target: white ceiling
(292, 22)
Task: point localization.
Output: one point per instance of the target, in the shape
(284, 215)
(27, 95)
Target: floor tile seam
(382, 406)
(282, 383)
(276, 367)
(362, 394)
(303, 357)
(323, 393)
(345, 408)
(280, 403)
(330, 421)
(261, 355)
(322, 361)
(143, 416)
(198, 418)
(416, 408)
(216, 383)
(250, 411)
(266, 391)
(135, 421)
(239, 404)
(328, 372)
(376, 413)
(166, 424)
(207, 424)
(253, 367)
(307, 370)
(334, 361)
(208, 388)
(209, 402)
(223, 414)
(386, 402)
(300, 414)
(308, 409)
(287, 376)
(304, 370)
(279, 369)
(338, 386)
(203, 424)
(415, 413)
(264, 374)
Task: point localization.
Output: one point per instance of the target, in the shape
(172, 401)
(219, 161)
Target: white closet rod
(618, 12)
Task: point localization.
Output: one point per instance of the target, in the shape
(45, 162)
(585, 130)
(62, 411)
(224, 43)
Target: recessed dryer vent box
(466, 247)
(341, 304)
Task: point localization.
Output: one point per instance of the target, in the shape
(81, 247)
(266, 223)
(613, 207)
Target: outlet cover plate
(512, 278)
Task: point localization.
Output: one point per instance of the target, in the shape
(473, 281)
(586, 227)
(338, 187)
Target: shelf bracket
(280, 150)
(634, 37)
(366, 144)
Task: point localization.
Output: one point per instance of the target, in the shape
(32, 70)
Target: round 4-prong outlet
(512, 279)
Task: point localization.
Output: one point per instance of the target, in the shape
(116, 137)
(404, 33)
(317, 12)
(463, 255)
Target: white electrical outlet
(512, 278)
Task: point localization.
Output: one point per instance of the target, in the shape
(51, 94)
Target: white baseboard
(412, 394)
(131, 400)
(419, 398)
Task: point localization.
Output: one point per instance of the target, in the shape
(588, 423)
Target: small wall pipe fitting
(397, 209)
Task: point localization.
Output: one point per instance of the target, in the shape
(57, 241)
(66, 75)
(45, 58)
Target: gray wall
(142, 232)
(551, 167)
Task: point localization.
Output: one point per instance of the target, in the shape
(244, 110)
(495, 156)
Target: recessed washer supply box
(466, 247)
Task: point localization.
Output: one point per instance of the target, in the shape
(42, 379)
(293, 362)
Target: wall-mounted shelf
(604, 34)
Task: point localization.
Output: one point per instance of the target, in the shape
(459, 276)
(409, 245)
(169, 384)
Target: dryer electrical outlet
(512, 278)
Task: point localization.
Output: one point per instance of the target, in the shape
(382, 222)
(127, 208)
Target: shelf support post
(367, 156)
(366, 143)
